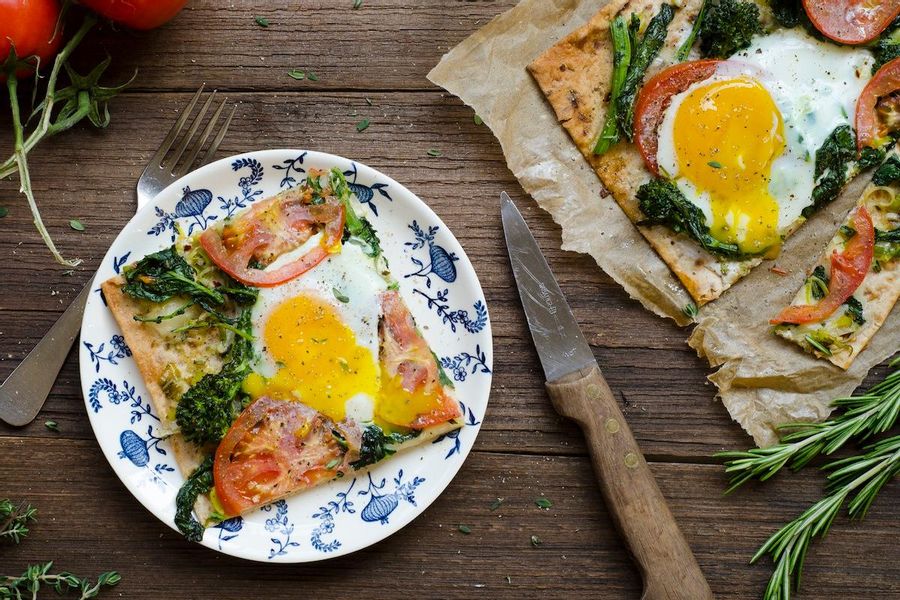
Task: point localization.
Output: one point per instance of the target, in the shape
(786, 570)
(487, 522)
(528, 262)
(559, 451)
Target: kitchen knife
(579, 392)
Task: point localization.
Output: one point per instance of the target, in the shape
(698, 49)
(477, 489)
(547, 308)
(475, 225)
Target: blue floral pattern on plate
(436, 280)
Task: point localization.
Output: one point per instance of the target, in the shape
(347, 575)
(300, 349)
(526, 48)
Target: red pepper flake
(779, 271)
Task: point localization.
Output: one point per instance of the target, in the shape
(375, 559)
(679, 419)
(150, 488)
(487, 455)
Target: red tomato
(852, 21)
(881, 95)
(848, 269)
(137, 14)
(274, 448)
(406, 353)
(654, 98)
(270, 229)
(29, 26)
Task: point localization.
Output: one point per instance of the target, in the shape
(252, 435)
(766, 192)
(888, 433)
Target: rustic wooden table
(371, 63)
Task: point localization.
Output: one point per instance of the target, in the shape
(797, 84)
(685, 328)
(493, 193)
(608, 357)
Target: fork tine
(214, 146)
(195, 149)
(157, 157)
(179, 151)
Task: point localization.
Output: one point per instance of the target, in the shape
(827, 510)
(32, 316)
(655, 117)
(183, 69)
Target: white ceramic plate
(436, 280)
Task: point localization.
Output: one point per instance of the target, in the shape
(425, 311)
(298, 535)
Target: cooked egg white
(741, 145)
(317, 336)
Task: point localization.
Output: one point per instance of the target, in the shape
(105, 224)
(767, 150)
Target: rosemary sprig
(14, 520)
(35, 576)
(863, 475)
(870, 414)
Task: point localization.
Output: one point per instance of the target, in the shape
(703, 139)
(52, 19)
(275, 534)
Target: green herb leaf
(76, 225)
(434, 152)
(14, 519)
(334, 462)
(52, 426)
(261, 21)
(464, 529)
(715, 164)
(478, 120)
(536, 541)
(312, 76)
(357, 4)
(297, 74)
(497, 503)
(362, 125)
(339, 296)
(690, 310)
(3, 211)
(543, 503)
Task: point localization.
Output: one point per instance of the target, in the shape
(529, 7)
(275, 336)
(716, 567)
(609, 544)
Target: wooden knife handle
(640, 512)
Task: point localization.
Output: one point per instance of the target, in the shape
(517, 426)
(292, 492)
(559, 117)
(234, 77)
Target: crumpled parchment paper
(763, 380)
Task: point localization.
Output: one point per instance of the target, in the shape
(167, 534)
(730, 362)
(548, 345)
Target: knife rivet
(631, 460)
(593, 391)
(612, 425)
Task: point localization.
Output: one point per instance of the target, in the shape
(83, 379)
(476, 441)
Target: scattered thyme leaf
(339, 296)
(464, 529)
(357, 4)
(76, 225)
(434, 152)
(52, 426)
(478, 120)
(715, 164)
(362, 125)
(312, 76)
(261, 21)
(543, 503)
(3, 211)
(369, 101)
(497, 503)
(297, 74)
(536, 541)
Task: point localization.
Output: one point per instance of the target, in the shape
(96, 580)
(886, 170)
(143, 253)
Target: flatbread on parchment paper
(763, 380)
(575, 76)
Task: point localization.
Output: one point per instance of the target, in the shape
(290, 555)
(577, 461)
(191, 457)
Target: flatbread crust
(575, 77)
(153, 350)
(878, 292)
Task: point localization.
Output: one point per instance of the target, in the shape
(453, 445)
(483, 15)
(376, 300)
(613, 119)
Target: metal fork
(26, 389)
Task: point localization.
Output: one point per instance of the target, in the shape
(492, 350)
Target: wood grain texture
(382, 53)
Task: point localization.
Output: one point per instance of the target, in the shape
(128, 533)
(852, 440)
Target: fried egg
(316, 336)
(741, 144)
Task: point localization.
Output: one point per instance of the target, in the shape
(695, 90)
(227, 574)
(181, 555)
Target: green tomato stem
(24, 176)
(44, 129)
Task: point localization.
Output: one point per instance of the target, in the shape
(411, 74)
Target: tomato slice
(270, 229)
(654, 98)
(877, 106)
(848, 269)
(406, 355)
(852, 21)
(274, 448)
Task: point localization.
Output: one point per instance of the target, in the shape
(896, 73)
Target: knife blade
(560, 344)
(579, 392)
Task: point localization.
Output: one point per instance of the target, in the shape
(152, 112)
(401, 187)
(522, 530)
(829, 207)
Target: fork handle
(640, 512)
(24, 392)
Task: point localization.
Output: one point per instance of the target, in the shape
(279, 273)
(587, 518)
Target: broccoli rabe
(163, 275)
(199, 482)
(835, 163)
(788, 13)
(888, 172)
(663, 204)
(728, 27)
(888, 46)
(376, 445)
(206, 411)
(357, 230)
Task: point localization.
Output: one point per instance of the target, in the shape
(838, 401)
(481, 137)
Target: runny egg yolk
(727, 135)
(320, 362)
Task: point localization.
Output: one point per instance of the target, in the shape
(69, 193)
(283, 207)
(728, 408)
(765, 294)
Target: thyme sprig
(863, 416)
(35, 576)
(862, 477)
(14, 519)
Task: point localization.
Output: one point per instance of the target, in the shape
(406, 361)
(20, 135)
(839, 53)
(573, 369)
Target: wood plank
(84, 507)
(386, 44)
